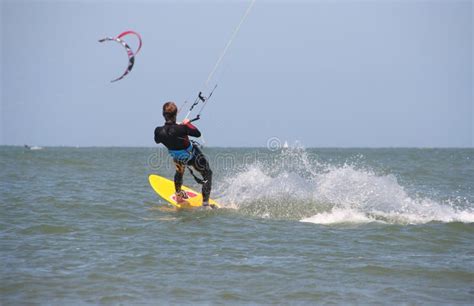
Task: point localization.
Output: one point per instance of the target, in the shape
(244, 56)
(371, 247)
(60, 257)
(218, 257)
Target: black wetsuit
(175, 137)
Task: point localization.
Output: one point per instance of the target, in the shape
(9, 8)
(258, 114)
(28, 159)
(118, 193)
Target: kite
(130, 53)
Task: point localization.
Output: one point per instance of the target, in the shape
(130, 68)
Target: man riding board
(175, 137)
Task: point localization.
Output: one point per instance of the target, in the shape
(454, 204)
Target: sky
(339, 73)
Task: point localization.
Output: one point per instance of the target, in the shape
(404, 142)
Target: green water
(379, 226)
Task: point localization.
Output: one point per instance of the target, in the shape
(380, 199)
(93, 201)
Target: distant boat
(33, 148)
(285, 145)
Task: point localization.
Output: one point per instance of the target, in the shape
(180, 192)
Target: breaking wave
(311, 191)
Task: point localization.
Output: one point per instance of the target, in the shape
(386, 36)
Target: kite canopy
(131, 55)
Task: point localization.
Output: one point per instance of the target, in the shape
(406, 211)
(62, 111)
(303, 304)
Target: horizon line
(236, 147)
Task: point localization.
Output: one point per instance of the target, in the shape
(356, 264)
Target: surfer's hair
(169, 111)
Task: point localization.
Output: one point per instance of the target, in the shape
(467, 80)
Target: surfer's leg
(178, 176)
(201, 164)
(178, 182)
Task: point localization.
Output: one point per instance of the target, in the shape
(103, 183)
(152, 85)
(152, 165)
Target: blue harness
(184, 155)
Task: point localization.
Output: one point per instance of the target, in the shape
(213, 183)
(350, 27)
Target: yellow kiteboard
(165, 189)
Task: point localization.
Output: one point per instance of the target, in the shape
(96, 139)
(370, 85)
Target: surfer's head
(169, 111)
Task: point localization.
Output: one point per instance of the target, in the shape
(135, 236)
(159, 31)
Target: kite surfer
(185, 152)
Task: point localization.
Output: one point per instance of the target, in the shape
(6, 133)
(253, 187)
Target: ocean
(298, 226)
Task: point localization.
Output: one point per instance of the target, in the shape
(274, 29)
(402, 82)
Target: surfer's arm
(191, 130)
(157, 138)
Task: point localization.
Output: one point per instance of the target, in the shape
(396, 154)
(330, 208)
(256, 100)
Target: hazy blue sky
(326, 73)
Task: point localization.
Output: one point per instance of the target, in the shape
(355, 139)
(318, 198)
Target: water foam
(313, 192)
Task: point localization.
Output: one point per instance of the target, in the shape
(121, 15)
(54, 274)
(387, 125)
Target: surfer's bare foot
(207, 205)
(181, 196)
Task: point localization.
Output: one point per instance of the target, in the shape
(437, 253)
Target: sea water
(300, 226)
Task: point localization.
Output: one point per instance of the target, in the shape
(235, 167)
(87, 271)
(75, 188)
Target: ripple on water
(47, 229)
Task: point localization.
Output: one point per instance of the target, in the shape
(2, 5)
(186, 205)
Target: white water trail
(327, 194)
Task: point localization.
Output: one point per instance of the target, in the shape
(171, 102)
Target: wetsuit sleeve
(157, 137)
(191, 130)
